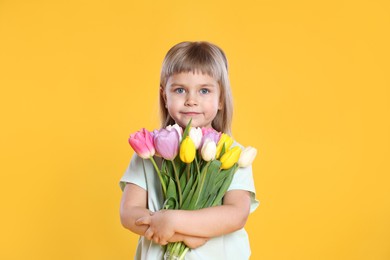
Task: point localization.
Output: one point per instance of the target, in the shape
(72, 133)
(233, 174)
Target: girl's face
(192, 95)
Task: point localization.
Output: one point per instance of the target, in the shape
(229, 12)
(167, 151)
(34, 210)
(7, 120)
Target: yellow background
(310, 81)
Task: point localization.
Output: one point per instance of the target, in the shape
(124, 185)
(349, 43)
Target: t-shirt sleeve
(243, 180)
(135, 173)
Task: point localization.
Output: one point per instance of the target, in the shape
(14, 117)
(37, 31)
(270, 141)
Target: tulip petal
(187, 150)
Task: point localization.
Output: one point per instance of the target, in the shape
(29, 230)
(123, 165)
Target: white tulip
(196, 136)
(247, 156)
(209, 150)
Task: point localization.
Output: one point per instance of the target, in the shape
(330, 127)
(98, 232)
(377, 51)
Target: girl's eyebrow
(184, 85)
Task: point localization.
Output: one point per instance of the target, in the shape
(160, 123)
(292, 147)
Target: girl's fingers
(163, 243)
(156, 240)
(143, 221)
(148, 234)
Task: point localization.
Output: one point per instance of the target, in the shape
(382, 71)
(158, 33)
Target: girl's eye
(179, 90)
(204, 91)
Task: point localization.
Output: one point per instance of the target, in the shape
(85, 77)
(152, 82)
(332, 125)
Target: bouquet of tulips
(198, 165)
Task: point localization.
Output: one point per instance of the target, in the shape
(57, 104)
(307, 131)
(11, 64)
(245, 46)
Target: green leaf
(223, 150)
(209, 201)
(187, 201)
(170, 203)
(169, 168)
(223, 189)
(193, 200)
(183, 181)
(165, 177)
(187, 188)
(200, 189)
(223, 174)
(171, 190)
(186, 130)
(180, 166)
(163, 164)
(212, 172)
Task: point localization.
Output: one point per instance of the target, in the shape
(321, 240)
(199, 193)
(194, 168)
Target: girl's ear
(220, 105)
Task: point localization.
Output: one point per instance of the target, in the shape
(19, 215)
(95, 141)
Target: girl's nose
(191, 100)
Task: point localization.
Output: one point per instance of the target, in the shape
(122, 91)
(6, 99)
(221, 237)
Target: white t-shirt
(232, 246)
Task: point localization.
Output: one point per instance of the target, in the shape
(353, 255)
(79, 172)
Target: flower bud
(142, 143)
(210, 133)
(166, 143)
(229, 158)
(247, 156)
(187, 150)
(177, 128)
(196, 136)
(226, 141)
(209, 150)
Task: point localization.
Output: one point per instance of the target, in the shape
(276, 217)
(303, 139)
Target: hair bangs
(194, 66)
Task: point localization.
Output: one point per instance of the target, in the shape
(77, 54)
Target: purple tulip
(167, 143)
(142, 143)
(177, 128)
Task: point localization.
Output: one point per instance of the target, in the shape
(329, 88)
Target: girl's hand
(191, 241)
(194, 242)
(161, 226)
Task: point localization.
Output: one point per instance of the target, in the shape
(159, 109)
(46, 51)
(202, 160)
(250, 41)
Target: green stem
(175, 250)
(188, 169)
(184, 253)
(178, 183)
(197, 165)
(202, 181)
(159, 175)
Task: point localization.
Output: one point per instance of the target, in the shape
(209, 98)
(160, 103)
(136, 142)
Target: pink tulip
(167, 143)
(210, 133)
(142, 143)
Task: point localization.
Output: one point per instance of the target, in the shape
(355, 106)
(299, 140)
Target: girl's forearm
(190, 241)
(209, 222)
(134, 206)
(130, 214)
(214, 221)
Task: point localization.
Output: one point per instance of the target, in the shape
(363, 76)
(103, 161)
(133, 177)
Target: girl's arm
(207, 222)
(134, 206)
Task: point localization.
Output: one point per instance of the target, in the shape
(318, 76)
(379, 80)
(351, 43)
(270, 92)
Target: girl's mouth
(191, 113)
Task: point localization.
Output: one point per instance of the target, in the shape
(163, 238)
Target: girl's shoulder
(235, 143)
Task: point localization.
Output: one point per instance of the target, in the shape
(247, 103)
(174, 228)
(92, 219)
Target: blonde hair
(206, 58)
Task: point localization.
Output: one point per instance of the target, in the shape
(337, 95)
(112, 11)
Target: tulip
(166, 143)
(142, 143)
(187, 150)
(177, 128)
(226, 141)
(229, 158)
(210, 133)
(207, 130)
(247, 156)
(155, 132)
(209, 150)
(196, 136)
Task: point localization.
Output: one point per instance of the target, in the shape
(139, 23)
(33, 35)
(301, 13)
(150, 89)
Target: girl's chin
(193, 124)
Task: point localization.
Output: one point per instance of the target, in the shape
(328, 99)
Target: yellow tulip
(187, 150)
(224, 140)
(229, 158)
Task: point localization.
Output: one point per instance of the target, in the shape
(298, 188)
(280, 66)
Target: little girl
(194, 84)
